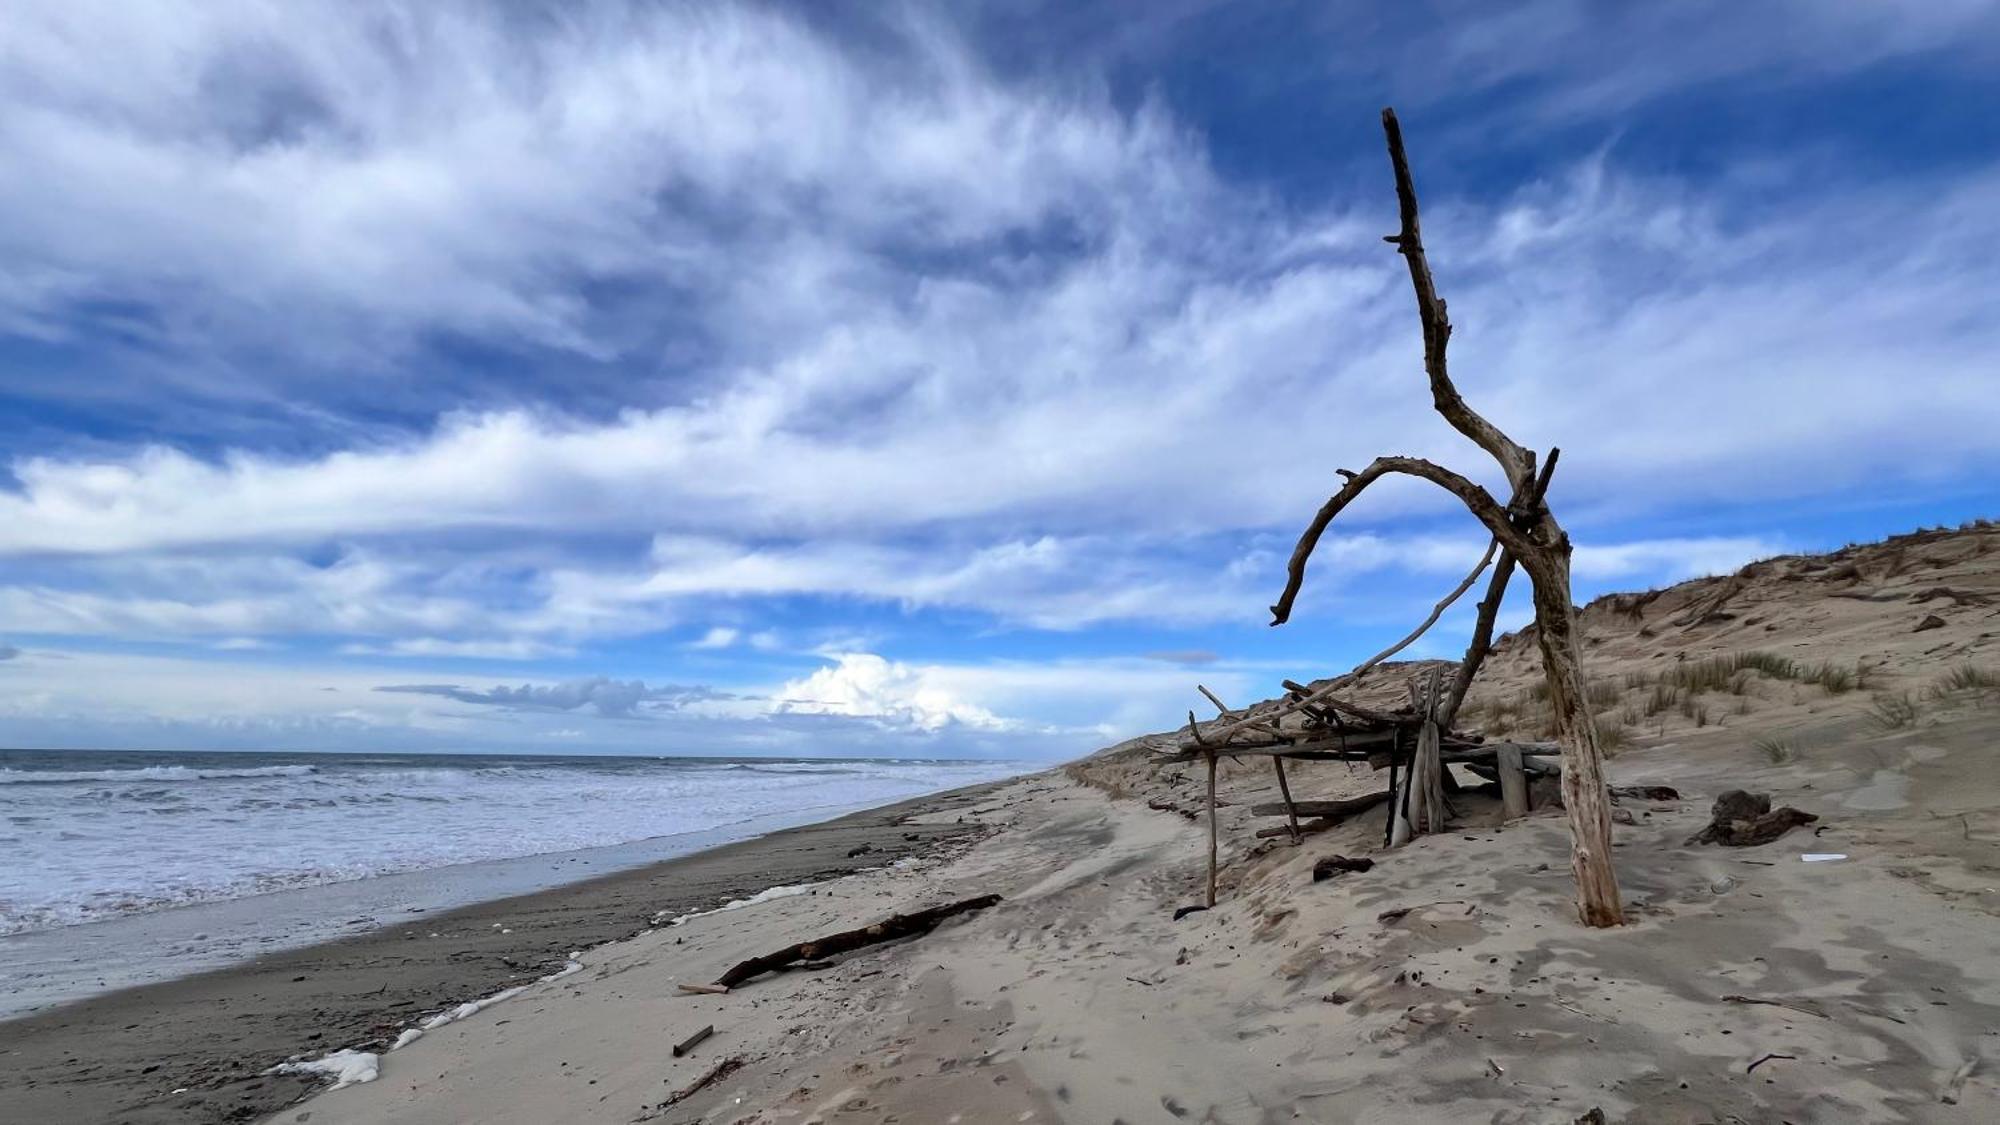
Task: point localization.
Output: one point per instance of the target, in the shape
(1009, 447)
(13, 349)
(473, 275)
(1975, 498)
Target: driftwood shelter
(1418, 741)
(1318, 724)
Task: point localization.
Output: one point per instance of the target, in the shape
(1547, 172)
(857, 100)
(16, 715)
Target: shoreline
(119, 1055)
(45, 969)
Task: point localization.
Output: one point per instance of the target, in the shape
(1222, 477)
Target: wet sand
(121, 1056)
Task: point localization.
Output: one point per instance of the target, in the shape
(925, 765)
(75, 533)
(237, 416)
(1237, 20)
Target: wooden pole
(1513, 781)
(1211, 829)
(1284, 788)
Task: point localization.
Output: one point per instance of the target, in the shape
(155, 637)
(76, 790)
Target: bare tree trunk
(1583, 786)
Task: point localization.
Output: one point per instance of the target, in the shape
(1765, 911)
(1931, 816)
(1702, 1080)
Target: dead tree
(1528, 536)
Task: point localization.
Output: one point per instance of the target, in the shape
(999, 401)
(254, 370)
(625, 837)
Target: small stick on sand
(704, 989)
(715, 1074)
(1955, 1085)
(1767, 1058)
(693, 1041)
(1793, 1005)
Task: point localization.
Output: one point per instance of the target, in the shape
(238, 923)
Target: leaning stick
(1285, 788)
(1437, 611)
(1277, 763)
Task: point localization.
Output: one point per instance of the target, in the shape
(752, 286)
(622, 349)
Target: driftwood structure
(1318, 724)
(1418, 742)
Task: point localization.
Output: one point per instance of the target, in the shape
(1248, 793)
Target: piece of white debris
(1823, 857)
(347, 1067)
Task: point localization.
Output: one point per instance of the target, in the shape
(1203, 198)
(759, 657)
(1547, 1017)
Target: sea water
(208, 858)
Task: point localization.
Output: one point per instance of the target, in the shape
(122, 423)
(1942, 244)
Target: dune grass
(1893, 710)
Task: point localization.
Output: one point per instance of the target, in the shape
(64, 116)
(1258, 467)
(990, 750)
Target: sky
(926, 379)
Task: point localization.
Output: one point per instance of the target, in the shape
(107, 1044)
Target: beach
(120, 1056)
(1843, 970)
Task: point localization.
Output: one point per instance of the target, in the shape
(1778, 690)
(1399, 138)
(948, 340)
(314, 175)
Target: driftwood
(1513, 782)
(1306, 829)
(704, 989)
(1339, 865)
(693, 1041)
(715, 1074)
(1742, 820)
(1527, 534)
(1647, 792)
(888, 929)
(1343, 808)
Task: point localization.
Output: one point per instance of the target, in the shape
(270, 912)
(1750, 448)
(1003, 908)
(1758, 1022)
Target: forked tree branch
(1518, 463)
(1476, 499)
(1523, 507)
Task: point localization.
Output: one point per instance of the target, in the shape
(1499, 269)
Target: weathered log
(1346, 807)
(888, 929)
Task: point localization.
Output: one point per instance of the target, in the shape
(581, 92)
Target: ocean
(90, 840)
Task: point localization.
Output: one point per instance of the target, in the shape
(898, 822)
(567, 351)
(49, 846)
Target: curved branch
(1477, 500)
(1518, 463)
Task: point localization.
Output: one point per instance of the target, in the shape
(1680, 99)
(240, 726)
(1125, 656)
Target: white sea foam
(145, 774)
(153, 831)
(473, 1007)
(765, 895)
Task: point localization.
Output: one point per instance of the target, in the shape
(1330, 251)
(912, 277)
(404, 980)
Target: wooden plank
(1513, 782)
(693, 1041)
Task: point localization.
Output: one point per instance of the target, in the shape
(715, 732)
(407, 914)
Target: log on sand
(1347, 807)
(888, 929)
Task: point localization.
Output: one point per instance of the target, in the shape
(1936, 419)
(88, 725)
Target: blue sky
(951, 379)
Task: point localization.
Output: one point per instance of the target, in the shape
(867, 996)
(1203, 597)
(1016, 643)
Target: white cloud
(864, 685)
(721, 636)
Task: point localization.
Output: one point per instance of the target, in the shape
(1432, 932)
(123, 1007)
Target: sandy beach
(121, 1056)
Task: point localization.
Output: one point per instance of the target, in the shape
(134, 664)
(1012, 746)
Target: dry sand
(1450, 983)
